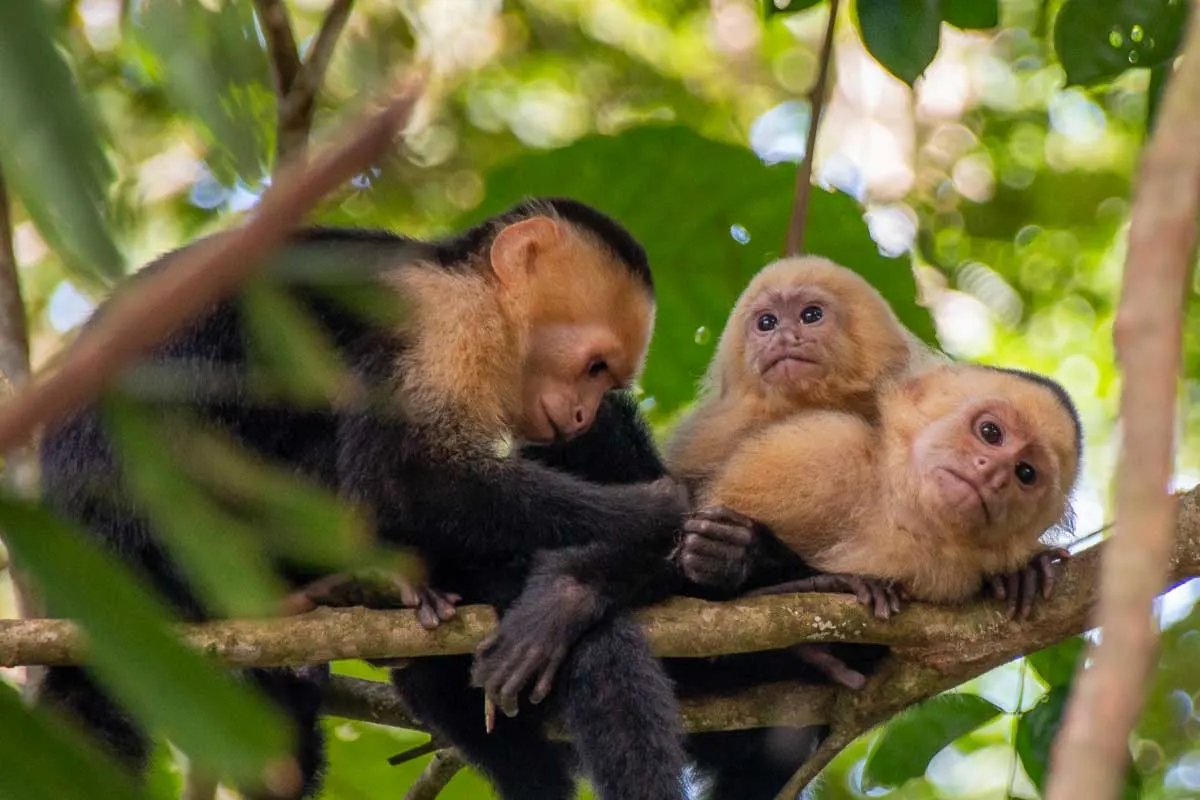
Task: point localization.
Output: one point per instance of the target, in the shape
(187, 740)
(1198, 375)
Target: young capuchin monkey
(805, 333)
(521, 331)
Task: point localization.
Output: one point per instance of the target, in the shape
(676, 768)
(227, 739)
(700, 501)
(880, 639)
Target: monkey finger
(880, 598)
(487, 642)
(998, 588)
(443, 603)
(893, 598)
(713, 548)
(832, 666)
(427, 616)
(510, 692)
(1049, 570)
(1029, 578)
(546, 679)
(708, 529)
(1012, 589)
(724, 514)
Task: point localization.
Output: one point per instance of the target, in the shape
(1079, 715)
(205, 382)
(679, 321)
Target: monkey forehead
(810, 272)
(585, 284)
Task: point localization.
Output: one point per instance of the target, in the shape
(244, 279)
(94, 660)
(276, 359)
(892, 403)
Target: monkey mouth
(964, 480)
(789, 362)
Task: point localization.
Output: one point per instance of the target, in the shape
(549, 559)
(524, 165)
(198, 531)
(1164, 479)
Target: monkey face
(788, 336)
(987, 467)
(568, 370)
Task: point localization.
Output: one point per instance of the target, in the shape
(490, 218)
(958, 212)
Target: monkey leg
(70, 692)
(298, 692)
(751, 764)
(620, 707)
(517, 757)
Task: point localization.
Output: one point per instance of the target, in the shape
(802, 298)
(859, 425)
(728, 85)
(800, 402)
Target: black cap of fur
(1059, 392)
(604, 229)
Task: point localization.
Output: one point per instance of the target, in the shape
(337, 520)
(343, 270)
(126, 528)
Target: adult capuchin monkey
(523, 329)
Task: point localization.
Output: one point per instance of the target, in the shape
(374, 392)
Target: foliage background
(1001, 179)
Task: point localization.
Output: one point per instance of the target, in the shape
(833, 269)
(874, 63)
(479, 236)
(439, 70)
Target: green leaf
(699, 267)
(773, 7)
(912, 740)
(213, 66)
(1057, 664)
(289, 350)
(902, 35)
(51, 760)
(220, 554)
(167, 686)
(971, 14)
(1035, 733)
(1097, 40)
(51, 148)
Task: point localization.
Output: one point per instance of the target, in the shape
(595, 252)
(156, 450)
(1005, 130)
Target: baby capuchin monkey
(806, 333)
(966, 469)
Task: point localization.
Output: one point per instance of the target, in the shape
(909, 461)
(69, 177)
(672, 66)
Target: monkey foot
(374, 588)
(882, 597)
(1020, 588)
(821, 656)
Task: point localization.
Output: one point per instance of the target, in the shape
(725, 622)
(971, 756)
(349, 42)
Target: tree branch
(441, 769)
(281, 43)
(201, 275)
(816, 102)
(1091, 753)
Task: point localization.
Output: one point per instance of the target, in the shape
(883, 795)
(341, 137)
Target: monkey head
(992, 454)
(810, 332)
(584, 320)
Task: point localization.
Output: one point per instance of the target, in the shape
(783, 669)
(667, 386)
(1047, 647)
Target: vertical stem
(795, 236)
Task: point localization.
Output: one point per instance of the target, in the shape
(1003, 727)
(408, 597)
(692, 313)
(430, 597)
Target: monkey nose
(581, 420)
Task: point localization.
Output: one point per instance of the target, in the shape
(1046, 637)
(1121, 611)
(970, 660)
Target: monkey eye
(1026, 474)
(990, 432)
(811, 314)
(767, 322)
(597, 367)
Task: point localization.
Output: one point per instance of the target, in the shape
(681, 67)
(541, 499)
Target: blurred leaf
(172, 689)
(971, 14)
(1056, 664)
(1035, 733)
(297, 518)
(686, 198)
(289, 349)
(1097, 40)
(902, 35)
(52, 761)
(773, 7)
(50, 146)
(220, 554)
(164, 775)
(212, 65)
(911, 740)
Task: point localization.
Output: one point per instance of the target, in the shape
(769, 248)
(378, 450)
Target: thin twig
(159, 304)
(281, 43)
(415, 752)
(14, 332)
(1092, 751)
(816, 102)
(439, 772)
(298, 105)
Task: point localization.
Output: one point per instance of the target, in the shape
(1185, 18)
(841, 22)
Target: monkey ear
(516, 247)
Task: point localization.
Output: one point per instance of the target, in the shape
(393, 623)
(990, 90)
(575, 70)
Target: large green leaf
(971, 14)
(1097, 40)
(50, 761)
(902, 35)
(1057, 663)
(50, 148)
(686, 198)
(212, 65)
(171, 688)
(912, 740)
(1035, 733)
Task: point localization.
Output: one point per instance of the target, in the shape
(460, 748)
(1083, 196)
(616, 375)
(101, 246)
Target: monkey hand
(1020, 588)
(533, 639)
(374, 588)
(718, 547)
(882, 597)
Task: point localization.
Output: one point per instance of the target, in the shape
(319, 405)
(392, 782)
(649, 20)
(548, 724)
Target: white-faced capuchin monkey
(948, 492)
(522, 330)
(965, 471)
(806, 333)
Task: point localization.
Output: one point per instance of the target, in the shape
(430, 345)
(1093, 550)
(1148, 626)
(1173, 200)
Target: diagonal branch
(1092, 751)
(281, 43)
(816, 102)
(204, 273)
